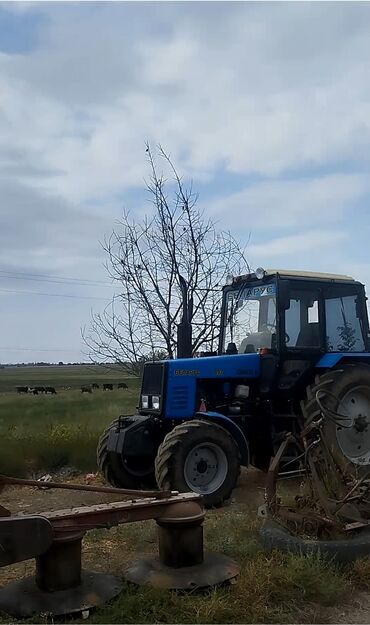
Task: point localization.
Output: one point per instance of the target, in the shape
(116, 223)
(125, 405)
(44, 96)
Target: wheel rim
(205, 468)
(354, 437)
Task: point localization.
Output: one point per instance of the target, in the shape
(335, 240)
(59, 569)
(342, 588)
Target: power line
(36, 349)
(44, 275)
(11, 277)
(63, 295)
(17, 275)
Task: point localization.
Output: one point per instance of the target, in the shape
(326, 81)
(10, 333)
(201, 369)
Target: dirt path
(249, 494)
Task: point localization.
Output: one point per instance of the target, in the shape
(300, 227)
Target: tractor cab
(291, 313)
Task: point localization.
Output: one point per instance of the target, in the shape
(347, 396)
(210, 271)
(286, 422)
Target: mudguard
(233, 428)
(133, 437)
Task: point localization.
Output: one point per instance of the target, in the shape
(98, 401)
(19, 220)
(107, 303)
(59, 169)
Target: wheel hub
(353, 435)
(205, 468)
(202, 466)
(361, 423)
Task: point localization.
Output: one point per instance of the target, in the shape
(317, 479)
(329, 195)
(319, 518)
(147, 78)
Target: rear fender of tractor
(333, 359)
(232, 428)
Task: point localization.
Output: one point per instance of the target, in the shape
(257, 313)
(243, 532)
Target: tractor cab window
(343, 329)
(302, 328)
(250, 320)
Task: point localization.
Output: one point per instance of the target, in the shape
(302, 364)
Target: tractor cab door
(301, 334)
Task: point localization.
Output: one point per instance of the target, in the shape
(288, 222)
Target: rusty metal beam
(115, 513)
(14, 481)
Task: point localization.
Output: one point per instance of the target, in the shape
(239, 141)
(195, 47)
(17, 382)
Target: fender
(232, 428)
(132, 437)
(330, 360)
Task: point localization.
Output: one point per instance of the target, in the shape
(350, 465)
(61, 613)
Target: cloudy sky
(266, 106)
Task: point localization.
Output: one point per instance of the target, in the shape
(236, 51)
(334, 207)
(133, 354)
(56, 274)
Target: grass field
(72, 376)
(47, 432)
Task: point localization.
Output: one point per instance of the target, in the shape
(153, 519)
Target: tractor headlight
(155, 402)
(260, 273)
(145, 401)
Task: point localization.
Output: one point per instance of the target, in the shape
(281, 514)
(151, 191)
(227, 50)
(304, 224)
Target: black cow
(22, 389)
(86, 389)
(107, 387)
(50, 389)
(95, 385)
(122, 385)
(39, 389)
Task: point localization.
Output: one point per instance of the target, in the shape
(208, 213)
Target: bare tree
(146, 259)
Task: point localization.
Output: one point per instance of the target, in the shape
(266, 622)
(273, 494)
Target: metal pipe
(158, 494)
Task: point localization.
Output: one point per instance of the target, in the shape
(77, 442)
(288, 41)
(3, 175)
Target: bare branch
(145, 260)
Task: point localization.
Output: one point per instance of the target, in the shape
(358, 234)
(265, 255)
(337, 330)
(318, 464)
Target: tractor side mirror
(283, 294)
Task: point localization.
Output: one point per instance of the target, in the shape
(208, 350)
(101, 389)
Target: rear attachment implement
(54, 539)
(332, 512)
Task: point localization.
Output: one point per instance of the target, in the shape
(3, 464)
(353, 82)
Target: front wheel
(121, 472)
(201, 457)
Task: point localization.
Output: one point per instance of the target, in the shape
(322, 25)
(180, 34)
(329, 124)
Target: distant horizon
(56, 364)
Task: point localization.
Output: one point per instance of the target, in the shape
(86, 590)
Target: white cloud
(263, 90)
(287, 204)
(289, 247)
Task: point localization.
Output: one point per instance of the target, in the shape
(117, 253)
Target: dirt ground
(102, 555)
(249, 493)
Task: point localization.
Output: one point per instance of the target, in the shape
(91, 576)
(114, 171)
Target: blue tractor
(289, 343)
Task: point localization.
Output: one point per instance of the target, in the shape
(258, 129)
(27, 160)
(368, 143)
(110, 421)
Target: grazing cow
(50, 389)
(122, 385)
(86, 389)
(39, 389)
(107, 387)
(34, 391)
(95, 385)
(22, 389)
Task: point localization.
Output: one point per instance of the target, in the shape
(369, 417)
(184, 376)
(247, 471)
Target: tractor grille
(179, 398)
(152, 378)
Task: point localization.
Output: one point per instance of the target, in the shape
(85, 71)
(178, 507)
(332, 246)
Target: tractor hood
(238, 365)
(182, 375)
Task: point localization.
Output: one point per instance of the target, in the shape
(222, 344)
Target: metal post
(59, 568)
(180, 535)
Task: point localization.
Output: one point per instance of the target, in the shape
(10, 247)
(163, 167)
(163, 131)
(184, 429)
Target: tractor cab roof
(261, 274)
(314, 275)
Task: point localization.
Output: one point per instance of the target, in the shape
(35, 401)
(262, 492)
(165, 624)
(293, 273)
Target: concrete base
(24, 599)
(215, 570)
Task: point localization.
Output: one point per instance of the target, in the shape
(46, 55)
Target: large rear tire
(348, 394)
(124, 472)
(201, 457)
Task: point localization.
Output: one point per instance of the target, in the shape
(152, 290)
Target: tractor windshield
(250, 318)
